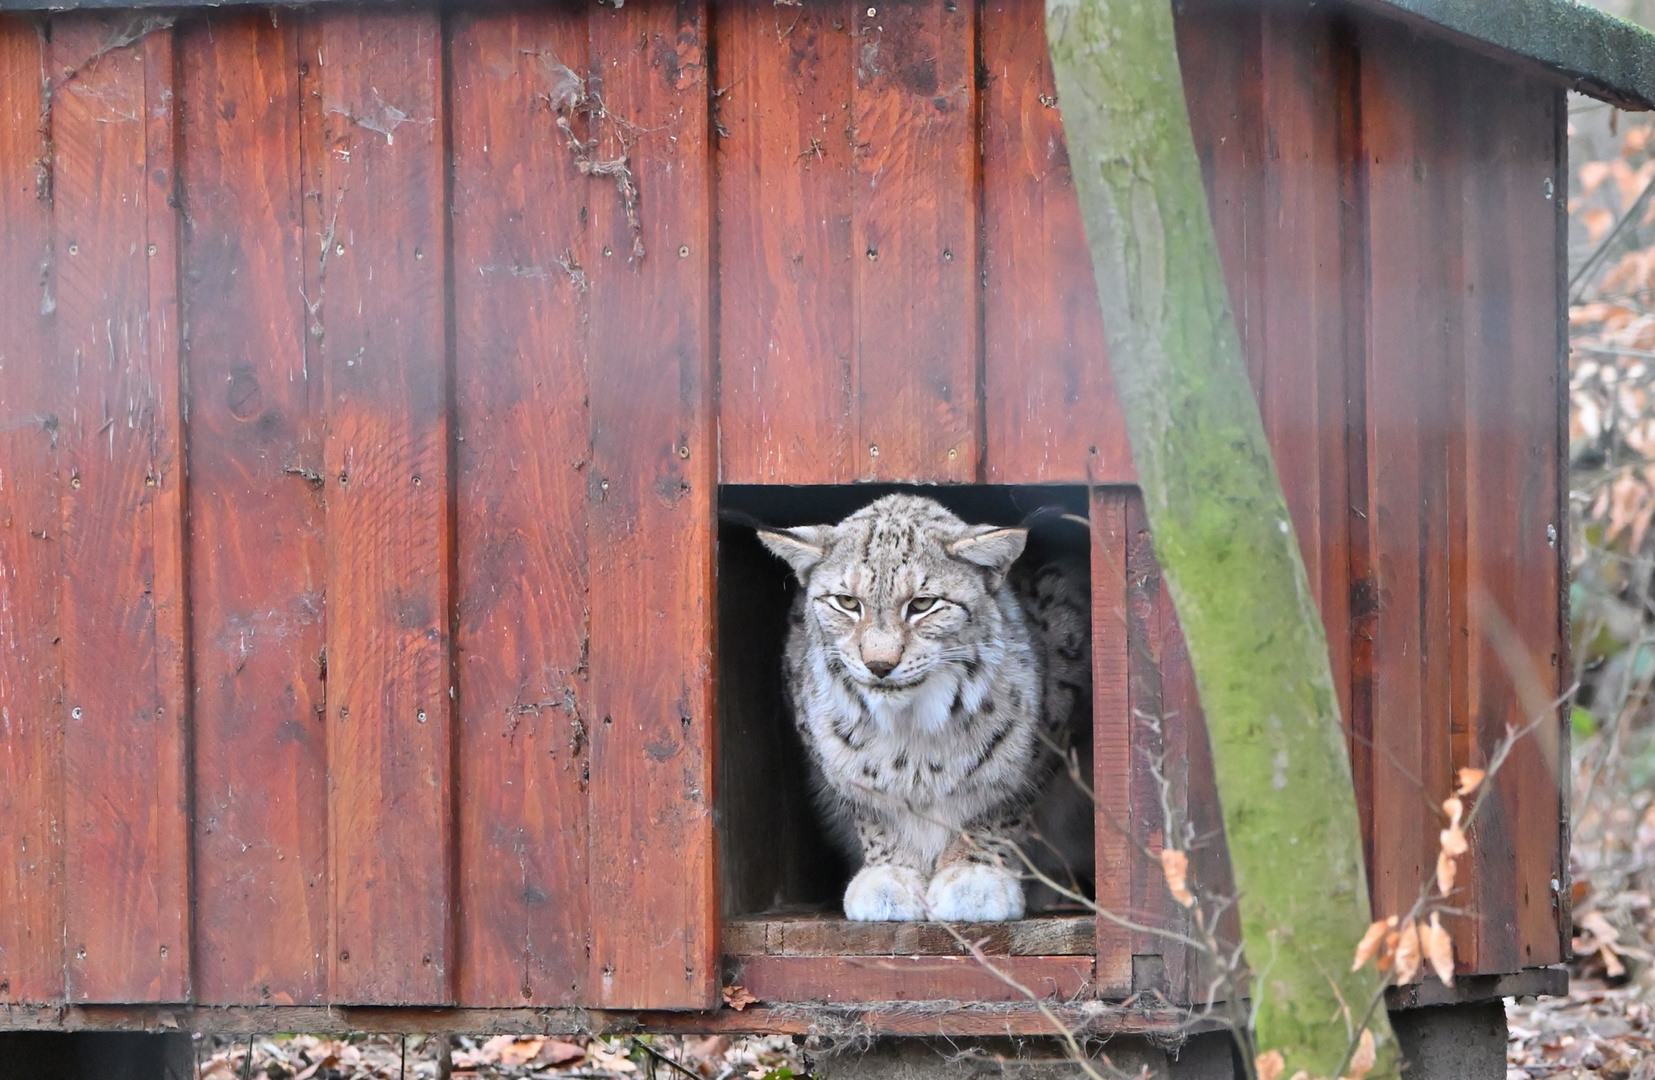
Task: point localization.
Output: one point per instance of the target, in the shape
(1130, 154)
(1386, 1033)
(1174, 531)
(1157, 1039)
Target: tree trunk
(1222, 531)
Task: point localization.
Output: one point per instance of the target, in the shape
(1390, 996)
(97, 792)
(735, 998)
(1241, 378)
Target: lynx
(938, 684)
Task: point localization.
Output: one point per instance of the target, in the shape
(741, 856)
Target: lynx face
(900, 590)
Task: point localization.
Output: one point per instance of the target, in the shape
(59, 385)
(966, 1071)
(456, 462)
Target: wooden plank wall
(359, 764)
(407, 695)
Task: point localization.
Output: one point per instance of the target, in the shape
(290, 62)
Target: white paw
(885, 894)
(972, 892)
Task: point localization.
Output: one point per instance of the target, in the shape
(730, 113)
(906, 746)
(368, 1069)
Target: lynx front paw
(973, 892)
(885, 894)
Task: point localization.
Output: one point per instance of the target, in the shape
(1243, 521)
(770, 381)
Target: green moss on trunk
(1222, 530)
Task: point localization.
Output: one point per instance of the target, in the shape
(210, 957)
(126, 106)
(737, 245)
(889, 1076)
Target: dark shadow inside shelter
(773, 854)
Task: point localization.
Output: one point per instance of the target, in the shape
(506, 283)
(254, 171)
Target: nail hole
(74, 249)
(684, 452)
(947, 255)
(76, 713)
(339, 249)
(420, 716)
(606, 253)
(344, 713)
(684, 252)
(418, 254)
(873, 253)
(344, 478)
(873, 451)
(152, 249)
(416, 479)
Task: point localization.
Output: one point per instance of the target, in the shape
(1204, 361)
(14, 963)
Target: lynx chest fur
(937, 688)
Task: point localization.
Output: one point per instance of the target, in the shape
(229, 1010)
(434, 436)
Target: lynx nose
(880, 668)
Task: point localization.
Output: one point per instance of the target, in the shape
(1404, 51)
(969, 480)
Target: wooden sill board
(829, 934)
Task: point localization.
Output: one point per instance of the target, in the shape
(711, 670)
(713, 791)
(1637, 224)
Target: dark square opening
(775, 860)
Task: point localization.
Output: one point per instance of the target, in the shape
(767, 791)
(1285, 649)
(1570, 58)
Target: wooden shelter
(372, 378)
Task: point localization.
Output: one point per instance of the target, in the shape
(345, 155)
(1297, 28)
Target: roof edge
(1598, 54)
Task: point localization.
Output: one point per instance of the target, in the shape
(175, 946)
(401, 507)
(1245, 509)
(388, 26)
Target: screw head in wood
(873, 451)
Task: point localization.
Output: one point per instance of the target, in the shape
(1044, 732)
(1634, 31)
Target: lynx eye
(849, 604)
(919, 605)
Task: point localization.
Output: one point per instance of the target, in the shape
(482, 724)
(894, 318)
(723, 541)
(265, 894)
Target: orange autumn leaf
(1469, 780)
(1446, 870)
(1405, 965)
(1361, 1062)
(1175, 867)
(1453, 837)
(1269, 1065)
(1369, 945)
(1439, 949)
(738, 997)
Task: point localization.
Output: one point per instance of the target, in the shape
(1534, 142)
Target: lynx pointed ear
(802, 547)
(991, 548)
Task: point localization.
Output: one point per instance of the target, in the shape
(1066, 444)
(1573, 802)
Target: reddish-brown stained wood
(1301, 387)
(1117, 861)
(31, 715)
(1512, 373)
(255, 522)
(1151, 904)
(520, 253)
(389, 544)
(1049, 407)
(831, 935)
(787, 332)
(1414, 200)
(126, 832)
(912, 978)
(651, 496)
(914, 241)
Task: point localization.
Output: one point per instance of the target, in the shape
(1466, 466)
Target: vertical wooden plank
(1302, 311)
(127, 850)
(389, 532)
(1414, 345)
(914, 238)
(31, 716)
(654, 467)
(255, 522)
(1112, 765)
(520, 304)
(786, 273)
(1154, 957)
(1049, 409)
(1514, 532)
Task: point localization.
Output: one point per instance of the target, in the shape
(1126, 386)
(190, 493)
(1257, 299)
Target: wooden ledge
(829, 934)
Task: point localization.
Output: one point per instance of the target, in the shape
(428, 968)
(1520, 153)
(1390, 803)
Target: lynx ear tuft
(989, 547)
(802, 547)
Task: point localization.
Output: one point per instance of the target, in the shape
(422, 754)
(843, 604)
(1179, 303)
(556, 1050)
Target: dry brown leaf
(1454, 808)
(1439, 949)
(1612, 965)
(1446, 869)
(1361, 1062)
(1597, 221)
(738, 997)
(1369, 945)
(1406, 963)
(1601, 929)
(1175, 867)
(1269, 1065)
(610, 1060)
(1469, 780)
(1593, 173)
(557, 1052)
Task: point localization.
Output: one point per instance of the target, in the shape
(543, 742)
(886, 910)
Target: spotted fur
(937, 682)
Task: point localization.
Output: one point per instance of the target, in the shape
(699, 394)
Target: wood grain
(126, 849)
(1414, 197)
(1513, 375)
(914, 241)
(786, 269)
(520, 303)
(1151, 904)
(255, 522)
(31, 706)
(839, 979)
(829, 935)
(654, 468)
(1050, 414)
(389, 539)
(1112, 764)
